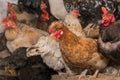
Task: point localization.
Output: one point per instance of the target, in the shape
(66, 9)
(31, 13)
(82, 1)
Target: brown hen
(78, 52)
(19, 34)
(24, 36)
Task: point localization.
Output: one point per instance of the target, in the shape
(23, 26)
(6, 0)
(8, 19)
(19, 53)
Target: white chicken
(48, 49)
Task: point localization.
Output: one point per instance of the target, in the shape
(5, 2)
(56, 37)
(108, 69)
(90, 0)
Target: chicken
(22, 36)
(3, 11)
(18, 59)
(109, 41)
(35, 69)
(48, 48)
(78, 52)
(31, 68)
(73, 24)
(110, 50)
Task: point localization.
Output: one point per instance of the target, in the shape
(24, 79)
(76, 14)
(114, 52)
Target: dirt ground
(102, 77)
(110, 73)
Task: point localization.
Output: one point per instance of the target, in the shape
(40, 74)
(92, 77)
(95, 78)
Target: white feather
(49, 50)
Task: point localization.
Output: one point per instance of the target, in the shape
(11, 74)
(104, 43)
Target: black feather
(109, 41)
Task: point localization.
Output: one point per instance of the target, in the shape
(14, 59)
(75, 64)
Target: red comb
(12, 13)
(55, 33)
(104, 10)
(43, 5)
(76, 12)
(7, 23)
(4, 22)
(107, 16)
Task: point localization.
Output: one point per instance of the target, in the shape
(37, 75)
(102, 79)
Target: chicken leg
(94, 75)
(83, 74)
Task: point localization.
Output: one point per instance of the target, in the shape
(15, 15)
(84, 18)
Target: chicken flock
(64, 37)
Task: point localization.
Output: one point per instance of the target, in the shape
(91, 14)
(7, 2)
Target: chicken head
(56, 29)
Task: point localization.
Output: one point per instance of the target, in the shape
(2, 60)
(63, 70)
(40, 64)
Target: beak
(102, 21)
(51, 34)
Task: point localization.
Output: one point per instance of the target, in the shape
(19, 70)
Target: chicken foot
(60, 73)
(94, 75)
(83, 74)
(68, 72)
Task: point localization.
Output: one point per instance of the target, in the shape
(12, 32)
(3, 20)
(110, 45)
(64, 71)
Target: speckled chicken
(78, 52)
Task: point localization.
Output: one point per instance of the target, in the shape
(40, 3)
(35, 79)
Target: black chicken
(31, 68)
(35, 69)
(109, 41)
(16, 60)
